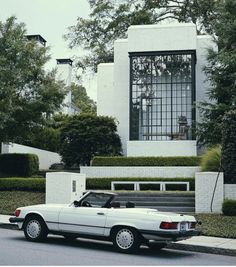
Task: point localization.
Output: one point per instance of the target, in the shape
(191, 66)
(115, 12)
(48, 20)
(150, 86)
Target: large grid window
(162, 95)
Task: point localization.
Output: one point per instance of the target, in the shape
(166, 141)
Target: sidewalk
(205, 244)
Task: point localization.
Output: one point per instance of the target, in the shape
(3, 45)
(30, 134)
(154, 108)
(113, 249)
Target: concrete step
(156, 193)
(157, 199)
(163, 201)
(161, 204)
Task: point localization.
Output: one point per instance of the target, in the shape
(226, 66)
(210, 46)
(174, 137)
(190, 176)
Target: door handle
(100, 213)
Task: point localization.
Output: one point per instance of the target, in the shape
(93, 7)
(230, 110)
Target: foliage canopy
(110, 19)
(82, 100)
(86, 135)
(28, 94)
(221, 73)
(229, 147)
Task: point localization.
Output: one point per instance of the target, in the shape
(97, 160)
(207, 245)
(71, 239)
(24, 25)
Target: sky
(50, 19)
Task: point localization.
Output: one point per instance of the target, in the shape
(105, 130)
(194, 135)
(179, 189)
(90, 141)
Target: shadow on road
(107, 247)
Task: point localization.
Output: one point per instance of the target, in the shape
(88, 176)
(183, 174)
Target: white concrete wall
(121, 90)
(204, 187)
(176, 36)
(105, 89)
(46, 158)
(161, 148)
(204, 42)
(144, 172)
(230, 191)
(64, 187)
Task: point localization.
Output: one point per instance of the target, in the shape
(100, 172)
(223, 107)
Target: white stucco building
(153, 86)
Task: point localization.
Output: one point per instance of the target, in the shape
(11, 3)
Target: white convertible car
(96, 215)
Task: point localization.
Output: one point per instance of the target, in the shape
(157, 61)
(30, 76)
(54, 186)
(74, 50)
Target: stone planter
(230, 191)
(204, 188)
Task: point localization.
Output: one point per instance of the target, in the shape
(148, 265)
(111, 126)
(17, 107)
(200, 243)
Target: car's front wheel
(126, 239)
(35, 229)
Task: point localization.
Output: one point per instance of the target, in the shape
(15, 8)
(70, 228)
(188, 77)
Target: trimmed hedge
(229, 207)
(105, 183)
(19, 164)
(38, 184)
(146, 161)
(22, 184)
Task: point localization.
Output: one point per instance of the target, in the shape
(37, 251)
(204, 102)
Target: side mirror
(76, 203)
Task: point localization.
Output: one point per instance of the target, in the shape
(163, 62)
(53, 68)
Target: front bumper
(168, 235)
(16, 220)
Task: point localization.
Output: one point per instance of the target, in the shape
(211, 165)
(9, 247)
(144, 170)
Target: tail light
(169, 225)
(17, 213)
(192, 225)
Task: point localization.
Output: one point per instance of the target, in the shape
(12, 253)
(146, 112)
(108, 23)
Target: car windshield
(96, 200)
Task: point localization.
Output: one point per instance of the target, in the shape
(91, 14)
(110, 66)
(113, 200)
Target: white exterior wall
(203, 43)
(143, 172)
(64, 187)
(161, 148)
(121, 90)
(176, 36)
(204, 187)
(105, 93)
(46, 158)
(230, 191)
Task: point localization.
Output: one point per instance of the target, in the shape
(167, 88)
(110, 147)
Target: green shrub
(105, 183)
(146, 161)
(22, 184)
(19, 164)
(229, 207)
(211, 160)
(229, 147)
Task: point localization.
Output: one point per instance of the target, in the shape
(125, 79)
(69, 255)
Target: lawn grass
(212, 224)
(10, 200)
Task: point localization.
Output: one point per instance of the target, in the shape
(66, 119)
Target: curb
(9, 226)
(203, 249)
(176, 246)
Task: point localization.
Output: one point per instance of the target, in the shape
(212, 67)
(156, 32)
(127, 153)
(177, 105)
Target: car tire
(156, 246)
(126, 239)
(35, 229)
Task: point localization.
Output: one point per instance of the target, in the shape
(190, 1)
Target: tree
(229, 147)
(28, 94)
(82, 100)
(221, 73)
(110, 19)
(84, 136)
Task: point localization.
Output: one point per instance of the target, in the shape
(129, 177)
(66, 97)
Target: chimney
(64, 72)
(38, 38)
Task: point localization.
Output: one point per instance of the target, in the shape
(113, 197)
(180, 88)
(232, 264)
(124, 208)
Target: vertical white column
(64, 73)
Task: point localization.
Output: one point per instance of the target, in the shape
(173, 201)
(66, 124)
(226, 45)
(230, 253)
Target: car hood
(44, 206)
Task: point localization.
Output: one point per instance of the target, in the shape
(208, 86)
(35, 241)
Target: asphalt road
(16, 250)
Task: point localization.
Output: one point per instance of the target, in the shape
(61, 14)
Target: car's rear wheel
(35, 229)
(126, 239)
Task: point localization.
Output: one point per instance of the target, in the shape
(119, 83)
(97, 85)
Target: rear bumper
(16, 220)
(169, 235)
